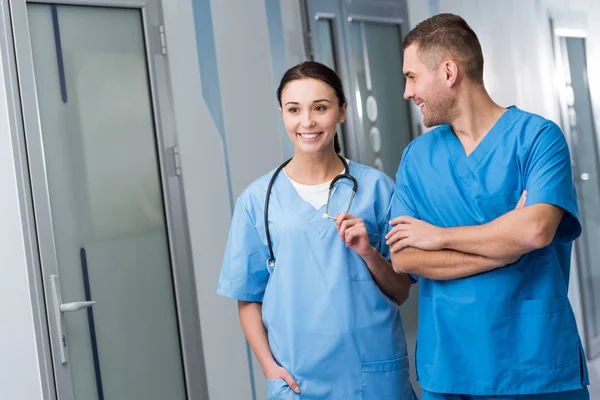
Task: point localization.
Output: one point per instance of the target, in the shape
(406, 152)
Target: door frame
(574, 25)
(342, 15)
(37, 221)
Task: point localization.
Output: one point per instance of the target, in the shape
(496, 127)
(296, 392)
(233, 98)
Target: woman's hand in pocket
(278, 372)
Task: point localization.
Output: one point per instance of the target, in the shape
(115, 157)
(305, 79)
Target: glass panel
(325, 54)
(587, 175)
(324, 51)
(376, 53)
(106, 201)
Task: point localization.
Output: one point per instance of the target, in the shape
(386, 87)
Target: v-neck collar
(457, 151)
(307, 213)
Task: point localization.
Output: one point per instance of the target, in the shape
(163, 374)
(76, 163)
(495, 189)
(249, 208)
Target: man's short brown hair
(446, 35)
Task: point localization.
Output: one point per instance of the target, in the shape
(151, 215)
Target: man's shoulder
(531, 123)
(433, 135)
(425, 141)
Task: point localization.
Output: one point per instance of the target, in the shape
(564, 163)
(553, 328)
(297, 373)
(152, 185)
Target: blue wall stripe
(211, 91)
(278, 62)
(209, 74)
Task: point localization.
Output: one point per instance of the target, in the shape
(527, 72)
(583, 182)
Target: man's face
(426, 86)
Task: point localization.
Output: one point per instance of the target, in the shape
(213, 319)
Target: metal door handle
(76, 306)
(59, 309)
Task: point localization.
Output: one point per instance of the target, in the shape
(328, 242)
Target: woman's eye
(320, 108)
(293, 110)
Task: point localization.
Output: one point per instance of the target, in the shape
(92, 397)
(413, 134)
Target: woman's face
(311, 112)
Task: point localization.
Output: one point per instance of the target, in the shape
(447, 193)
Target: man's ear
(450, 71)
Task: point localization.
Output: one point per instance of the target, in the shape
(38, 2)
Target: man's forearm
(508, 236)
(395, 286)
(442, 264)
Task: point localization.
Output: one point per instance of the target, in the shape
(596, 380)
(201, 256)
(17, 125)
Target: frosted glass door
(109, 237)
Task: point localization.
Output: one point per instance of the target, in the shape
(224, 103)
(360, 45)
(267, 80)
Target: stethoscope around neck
(345, 175)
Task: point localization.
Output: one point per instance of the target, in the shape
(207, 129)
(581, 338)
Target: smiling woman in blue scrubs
(323, 322)
(495, 321)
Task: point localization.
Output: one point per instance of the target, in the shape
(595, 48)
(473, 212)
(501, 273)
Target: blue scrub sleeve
(402, 201)
(384, 227)
(549, 179)
(244, 274)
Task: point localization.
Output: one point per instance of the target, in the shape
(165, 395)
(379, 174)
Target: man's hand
(522, 200)
(412, 232)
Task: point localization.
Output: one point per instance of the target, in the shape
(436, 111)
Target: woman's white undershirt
(315, 195)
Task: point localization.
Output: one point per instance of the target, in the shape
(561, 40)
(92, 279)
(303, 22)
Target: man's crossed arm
(450, 253)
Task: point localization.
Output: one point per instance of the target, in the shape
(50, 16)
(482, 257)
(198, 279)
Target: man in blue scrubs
(486, 213)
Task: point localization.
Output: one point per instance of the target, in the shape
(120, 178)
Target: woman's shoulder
(256, 191)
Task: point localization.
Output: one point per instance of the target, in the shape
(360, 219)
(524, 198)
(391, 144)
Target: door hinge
(163, 40)
(177, 160)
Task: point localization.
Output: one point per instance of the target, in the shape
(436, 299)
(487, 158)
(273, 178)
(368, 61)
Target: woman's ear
(343, 111)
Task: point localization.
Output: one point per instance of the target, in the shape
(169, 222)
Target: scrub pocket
(499, 204)
(387, 380)
(544, 333)
(278, 389)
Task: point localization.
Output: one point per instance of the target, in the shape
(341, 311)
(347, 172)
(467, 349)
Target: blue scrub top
(509, 331)
(328, 323)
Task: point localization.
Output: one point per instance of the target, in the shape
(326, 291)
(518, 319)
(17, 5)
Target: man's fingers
(291, 382)
(399, 245)
(391, 232)
(522, 200)
(403, 219)
(395, 229)
(399, 235)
